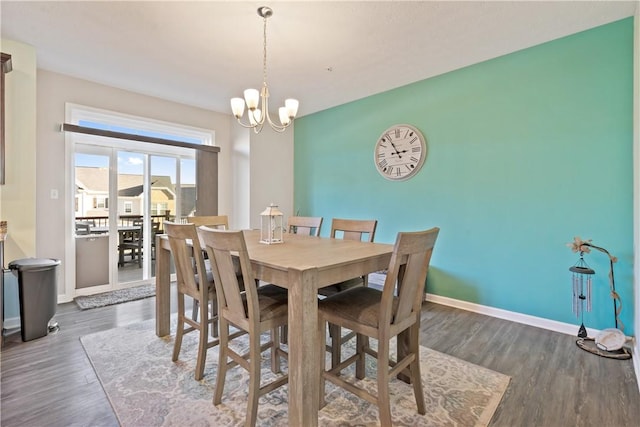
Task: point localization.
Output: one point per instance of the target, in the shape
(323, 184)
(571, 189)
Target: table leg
(303, 356)
(163, 289)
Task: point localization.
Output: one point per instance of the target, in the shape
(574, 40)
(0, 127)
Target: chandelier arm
(245, 125)
(265, 114)
(276, 127)
(259, 121)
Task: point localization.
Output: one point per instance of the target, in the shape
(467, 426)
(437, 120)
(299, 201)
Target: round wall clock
(400, 152)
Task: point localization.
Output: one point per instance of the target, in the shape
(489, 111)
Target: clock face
(400, 152)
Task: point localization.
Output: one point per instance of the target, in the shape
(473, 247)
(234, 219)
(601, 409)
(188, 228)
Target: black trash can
(38, 290)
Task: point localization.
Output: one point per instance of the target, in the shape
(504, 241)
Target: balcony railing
(87, 222)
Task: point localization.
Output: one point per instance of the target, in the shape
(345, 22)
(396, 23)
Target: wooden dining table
(301, 264)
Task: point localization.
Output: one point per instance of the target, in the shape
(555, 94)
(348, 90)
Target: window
(128, 207)
(101, 202)
(159, 208)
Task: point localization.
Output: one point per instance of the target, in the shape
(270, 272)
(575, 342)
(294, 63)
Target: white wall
(271, 179)
(18, 195)
(240, 143)
(54, 90)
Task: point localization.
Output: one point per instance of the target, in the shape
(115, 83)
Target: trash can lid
(33, 263)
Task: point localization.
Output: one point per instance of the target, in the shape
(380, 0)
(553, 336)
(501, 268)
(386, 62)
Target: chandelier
(254, 99)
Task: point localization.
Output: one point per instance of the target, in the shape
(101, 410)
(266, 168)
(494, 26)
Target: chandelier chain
(264, 53)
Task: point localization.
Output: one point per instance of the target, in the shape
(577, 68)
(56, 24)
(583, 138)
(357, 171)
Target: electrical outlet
(54, 194)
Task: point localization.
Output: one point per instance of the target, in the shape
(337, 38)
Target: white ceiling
(326, 53)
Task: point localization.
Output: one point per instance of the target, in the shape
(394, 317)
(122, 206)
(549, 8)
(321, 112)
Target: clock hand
(396, 150)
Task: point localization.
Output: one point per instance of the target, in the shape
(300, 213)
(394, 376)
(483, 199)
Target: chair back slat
(222, 246)
(211, 221)
(354, 229)
(187, 252)
(408, 269)
(305, 225)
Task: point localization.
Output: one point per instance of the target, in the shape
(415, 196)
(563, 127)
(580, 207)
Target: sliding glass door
(128, 175)
(123, 196)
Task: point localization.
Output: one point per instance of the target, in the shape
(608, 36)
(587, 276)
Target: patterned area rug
(116, 297)
(146, 388)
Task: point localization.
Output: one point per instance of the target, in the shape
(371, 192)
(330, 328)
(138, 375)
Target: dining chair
(382, 315)
(187, 251)
(212, 221)
(155, 230)
(256, 310)
(83, 228)
(305, 225)
(131, 241)
(349, 229)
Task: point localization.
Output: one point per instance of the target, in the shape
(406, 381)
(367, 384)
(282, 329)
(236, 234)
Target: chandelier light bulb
(252, 97)
(284, 116)
(292, 107)
(237, 107)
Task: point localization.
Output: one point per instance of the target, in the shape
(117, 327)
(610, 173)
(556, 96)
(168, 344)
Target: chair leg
(322, 342)
(214, 315)
(202, 342)
(384, 406)
(416, 377)
(254, 380)
(361, 341)
(222, 362)
(335, 332)
(195, 309)
(275, 345)
(179, 329)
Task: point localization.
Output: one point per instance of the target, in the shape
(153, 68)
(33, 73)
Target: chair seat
(273, 302)
(359, 305)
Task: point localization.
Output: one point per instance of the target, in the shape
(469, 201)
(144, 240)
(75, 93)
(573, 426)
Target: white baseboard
(540, 322)
(552, 325)
(11, 323)
(635, 353)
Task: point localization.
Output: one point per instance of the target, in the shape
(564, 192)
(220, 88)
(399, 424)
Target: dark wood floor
(50, 382)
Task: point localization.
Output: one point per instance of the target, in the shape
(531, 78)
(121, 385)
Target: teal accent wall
(526, 151)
